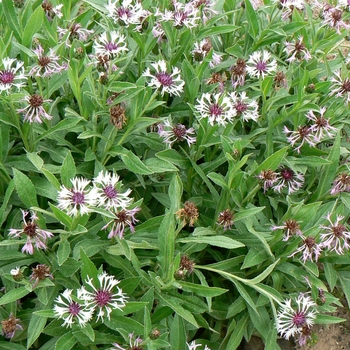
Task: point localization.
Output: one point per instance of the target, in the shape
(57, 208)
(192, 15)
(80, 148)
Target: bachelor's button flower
(76, 31)
(125, 13)
(336, 236)
(238, 73)
(268, 178)
(320, 124)
(9, 326)
(260, 64)
(163, 80)
(78, 199)
(225, 219)
(288, 6)
(134, 344)
(290, 179)
(340, 87)
(40, 272)
(206, 8)
(176, 133)
(217, 108)
(333, 18)
(36, 237)
(310, 249)
(290, 228)
(304, 134)
(47, 65)
(341, 184)
(296, 50)
(245, 108)
(34, 111)
(72, 309)
(194, 346)
(104, 296)
(11, 74)
(51, 11)
(292, 320)
(124, 218)
(110, 44)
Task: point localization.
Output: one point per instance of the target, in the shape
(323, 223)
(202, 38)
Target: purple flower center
(30, 229)
(78, 197)
(102, 297)
(74, 308)
(122, 12)
(180, 16)
(287, 174)
(111, 46)
(215, 110)
(241, 107)
(179, 131)
(261, 66)
(299, 319)
(110, 191)
(164, 78)
(6, 77)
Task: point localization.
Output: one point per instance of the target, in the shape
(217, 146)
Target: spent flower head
(51, 11)
(320, 127)
(225, 219)
(238, 73)
(290, 228)
(340, 87)
(40, 272)
(268, 178)
(303, 135)
(288, 178)
(341, 184)
(9, 326)
(296, 50)
(36, 237)
(188, 214)
(103, 295)
(163, 80)
(76, 32)
(72, 308)
(34, 112)
(310, 249)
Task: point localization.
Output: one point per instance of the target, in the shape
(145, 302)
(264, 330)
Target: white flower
(110, 44)
(36, 237)
(104, 297)
(310, 249)
(291, 320)
(34, 111)
(194, 346)
(76, 200)
(288, 6)
(217, 108)
(336, 237)
(15, 272)
(170, 83)
(333, 18)
(125, 13)
(296, 50)
(288, 178)
(76, 31)
(244, 106)
(304, 134)
(176, 133)
(260, 64)
(72, 309)
(108, 191)
(206, 8)
(290, 228)
(340, 87)
(11, 75)
(321, 125)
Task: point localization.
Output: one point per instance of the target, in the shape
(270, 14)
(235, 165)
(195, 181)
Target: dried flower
(188, 214)
(333, 18)
(320, 124)
(297, 50)
(304, 134)
(123, 218)
(34, 111)
(288, 178)
(72, 309)
(177, 133)
(76, 200)
(291, 321)
(280, 80)
(310, 249)
(11, 76)
(104, 296)
(260, 64)
(290, 227)
(9, 326)
(238, 73)
(39, 273)
(36, 237)
(268, 177)
(47, 64)
(225, 219)
(118, 117)
(336, 237)
(341, 184)
(206, 9)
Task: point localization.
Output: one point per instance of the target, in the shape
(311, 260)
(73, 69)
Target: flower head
(51, 11)
(163, 80)
(194, 346)
(134, 343)
(125, 13)
(11, 75)
(76, 31)
(268, 178)
(78, 199)
(206, 9)
(238, 73)
(176, 133)
(288, 6)
(333, 18)
(340, 87)
(292, 320)
(290, 227)
(245, 107)
(47, 65)
(34, 111)
(303, 134)
(118, 118)
(297, 50)
(341, 184)
(105, 296)
(189, 213)
(124, 218)
(72, 309)
(36, 237)
(225, 219)
(310, 249)
(260, 64)
(288, 178)
(320, 126)
(39, 273)
(218, 108)
(336, 236)
(9, 326)
(110, 44)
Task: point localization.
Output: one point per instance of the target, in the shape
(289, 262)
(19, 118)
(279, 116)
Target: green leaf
(68, 170)
(35, 328)
(216, 30)
(49, 313)
(61, 216)
(243, 214)
(88, 269)
(311, 161)
(331, 275)
(66, 341)
(344, 278)
(65, 124)
(88, 331)
(253, 23)
(5, 200)
(14, 295)
(63, 252)
(218, 179)
(217, 241)
(35, 159)
(201, 290)
(326, 319)
(237, 334)
(173, 303)
(6, 345)
(25, 189)
(124, 323)
(175, 192)
(12, 19)
(272, 162)
(33, 25)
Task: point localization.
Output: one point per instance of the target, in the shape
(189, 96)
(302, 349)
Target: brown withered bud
(39, 273)
(225, 219)
(188, 214)
(9, 326)
(118, 117)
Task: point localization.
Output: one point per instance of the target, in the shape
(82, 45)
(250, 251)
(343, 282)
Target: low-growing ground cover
(173, 175)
